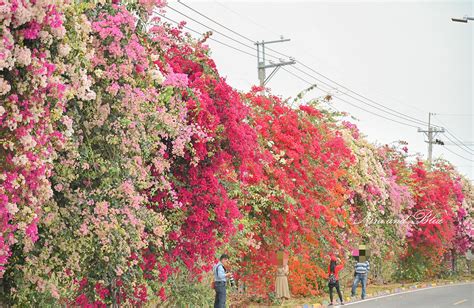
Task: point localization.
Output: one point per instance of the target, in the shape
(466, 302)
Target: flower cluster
(33, 100)
(127, 162)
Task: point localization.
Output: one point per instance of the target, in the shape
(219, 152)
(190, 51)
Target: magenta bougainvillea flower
(127, 164)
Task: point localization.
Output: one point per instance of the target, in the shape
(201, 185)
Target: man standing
(220, 278)
(361, 272)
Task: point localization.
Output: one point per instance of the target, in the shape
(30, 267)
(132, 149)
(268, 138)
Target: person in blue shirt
(360, 274)
(220, 280)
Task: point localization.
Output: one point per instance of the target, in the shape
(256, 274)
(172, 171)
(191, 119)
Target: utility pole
(431, 133)
(262, 66)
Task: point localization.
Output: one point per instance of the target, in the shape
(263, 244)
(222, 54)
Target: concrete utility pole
(262, 66)
(431, 133)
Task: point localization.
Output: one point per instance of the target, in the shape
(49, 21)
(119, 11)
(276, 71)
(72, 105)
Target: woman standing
(281, 284)
(333, 278)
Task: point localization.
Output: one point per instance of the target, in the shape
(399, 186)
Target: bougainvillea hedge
(126, 159)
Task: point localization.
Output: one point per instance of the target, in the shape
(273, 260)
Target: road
(454, 296)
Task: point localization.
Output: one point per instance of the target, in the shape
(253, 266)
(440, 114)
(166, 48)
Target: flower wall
(33, 103)
(126, 159)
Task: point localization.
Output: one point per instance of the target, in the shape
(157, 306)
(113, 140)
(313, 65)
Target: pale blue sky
(406, 55)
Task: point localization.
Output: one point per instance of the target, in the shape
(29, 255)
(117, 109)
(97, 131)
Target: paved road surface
(453, 296)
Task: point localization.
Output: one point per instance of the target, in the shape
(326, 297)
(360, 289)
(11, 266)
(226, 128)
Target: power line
(336, 97)
(461, 145)
(260, 26)
(328, 92)
(216, 31)
(363, 102)
(214, 21)
(470, 152)
(246, 17)
(212, 39)
(447, 149)
(393, 112)
(415, 120)
(237, 33)
(225, 35)
(354, 105)
(277, 52)
(456, 114)
(225, 27)
(311, 84)
(296, 76)
(376, 114)
(318, 86)
(468, 144)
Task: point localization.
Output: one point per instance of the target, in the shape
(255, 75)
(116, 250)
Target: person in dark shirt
(333, 278)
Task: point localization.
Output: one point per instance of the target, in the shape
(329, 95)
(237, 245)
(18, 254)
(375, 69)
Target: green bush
(187, 291)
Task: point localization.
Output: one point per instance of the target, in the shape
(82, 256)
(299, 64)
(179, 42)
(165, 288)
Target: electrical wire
(413, 119)
(396, 114)
(456, 114)
(212, 39)
(468, 144)
(407, 117)
(227, 28)
(349, 103)
(456, 144)
(381, 106)
(375, 105)
(460, 145)
(452, 152)
(216, 22)
(216, 31)
(246, 17)
(311, 84)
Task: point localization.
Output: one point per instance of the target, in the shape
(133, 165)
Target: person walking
(333, 279)
(360, 275)
(220, 279)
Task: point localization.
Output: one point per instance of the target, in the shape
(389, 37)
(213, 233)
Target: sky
(405, 55)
